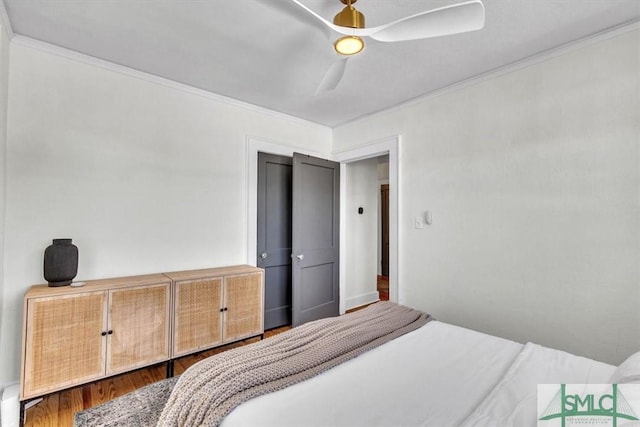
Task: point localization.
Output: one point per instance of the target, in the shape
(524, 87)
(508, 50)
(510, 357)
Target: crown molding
(151, 78)
(5, 21)
(592, 39)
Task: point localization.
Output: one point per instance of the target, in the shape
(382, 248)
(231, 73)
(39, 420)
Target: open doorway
(367, 231)
(383, 229)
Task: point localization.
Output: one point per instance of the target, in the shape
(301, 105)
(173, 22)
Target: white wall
(361, 232)
(4, 89)
(533, 181)
(144, 178)
(532, 178)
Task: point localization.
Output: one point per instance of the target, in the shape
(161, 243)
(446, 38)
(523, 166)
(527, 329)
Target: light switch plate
(418, 223)
(427, 217)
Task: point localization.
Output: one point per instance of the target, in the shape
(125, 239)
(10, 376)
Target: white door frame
(382, 147)
(389, 145)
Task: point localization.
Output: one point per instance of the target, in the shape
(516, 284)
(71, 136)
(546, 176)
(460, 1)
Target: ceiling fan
(349, 24)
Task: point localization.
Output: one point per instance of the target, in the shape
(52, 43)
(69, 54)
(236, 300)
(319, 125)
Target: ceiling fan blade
(296, 13)
(361, 32)
(319, 18)
(457, 18)
(332, 77)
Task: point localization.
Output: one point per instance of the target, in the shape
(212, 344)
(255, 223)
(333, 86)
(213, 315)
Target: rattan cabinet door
(64, 342)
(244, 306)
(197, 315)
(138, 327)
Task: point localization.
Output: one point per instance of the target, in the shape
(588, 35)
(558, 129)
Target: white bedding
(513, 402)
(433, 376)
(439, 375)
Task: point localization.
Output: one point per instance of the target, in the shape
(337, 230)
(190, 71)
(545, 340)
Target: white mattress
(434, 376)
(439, 375)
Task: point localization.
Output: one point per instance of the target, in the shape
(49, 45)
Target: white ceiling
(271, 54)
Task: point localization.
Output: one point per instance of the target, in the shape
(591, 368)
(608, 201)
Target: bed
(436, 375)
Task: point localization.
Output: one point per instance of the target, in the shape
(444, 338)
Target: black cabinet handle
(110, 332)
(104, 334)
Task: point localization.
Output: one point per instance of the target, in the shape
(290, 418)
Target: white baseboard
(361, 300)
(10, 405)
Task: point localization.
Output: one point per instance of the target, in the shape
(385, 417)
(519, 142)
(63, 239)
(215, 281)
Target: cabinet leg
(22, 413)
(261, 337)
(170, 368)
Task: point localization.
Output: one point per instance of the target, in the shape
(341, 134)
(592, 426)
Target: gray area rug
(140, 408)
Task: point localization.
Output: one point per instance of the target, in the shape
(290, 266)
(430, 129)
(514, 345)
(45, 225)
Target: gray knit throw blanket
(213, 387)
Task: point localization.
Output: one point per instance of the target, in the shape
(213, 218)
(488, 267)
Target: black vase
(60, 262)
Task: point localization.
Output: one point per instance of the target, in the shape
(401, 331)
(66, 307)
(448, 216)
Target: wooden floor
(383, 288)
(58, 409)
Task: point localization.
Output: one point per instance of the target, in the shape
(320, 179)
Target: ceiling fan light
(348, 45)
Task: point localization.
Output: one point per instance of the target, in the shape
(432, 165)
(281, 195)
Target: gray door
(274, 236)
(316, 219)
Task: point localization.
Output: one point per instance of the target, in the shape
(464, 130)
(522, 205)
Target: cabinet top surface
(43, 290)
(209, 272)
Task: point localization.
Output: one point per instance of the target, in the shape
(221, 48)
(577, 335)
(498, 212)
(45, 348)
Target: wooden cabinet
(243, 306)
(216, 306)
(197, 318)
(76, 335)
(138, 327)
(64, 345)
